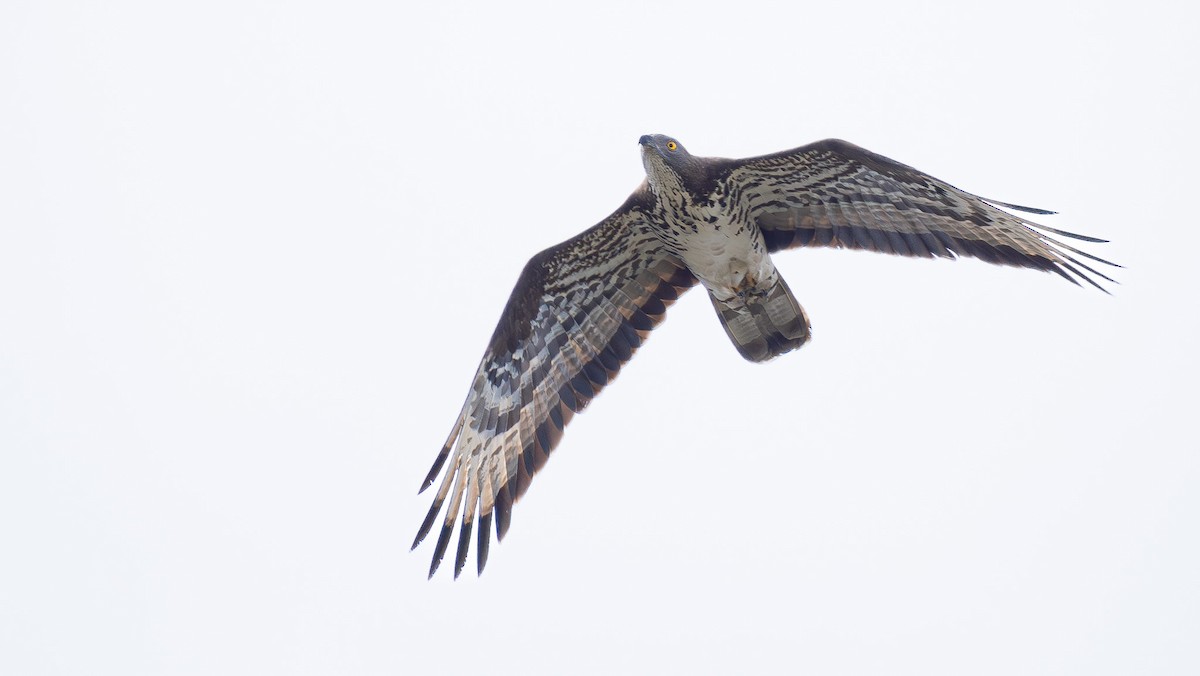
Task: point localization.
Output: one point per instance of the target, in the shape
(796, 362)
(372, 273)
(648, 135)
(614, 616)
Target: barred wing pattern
(578, 312)
(836, 194)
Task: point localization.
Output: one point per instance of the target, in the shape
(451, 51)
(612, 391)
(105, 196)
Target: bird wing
(836, 194)
(577, 314)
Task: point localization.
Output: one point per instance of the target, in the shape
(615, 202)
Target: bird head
(667, 162)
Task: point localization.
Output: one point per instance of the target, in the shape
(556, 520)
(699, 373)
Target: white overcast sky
(250, 254)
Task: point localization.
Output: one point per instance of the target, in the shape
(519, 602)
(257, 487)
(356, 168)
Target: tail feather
(764, 323)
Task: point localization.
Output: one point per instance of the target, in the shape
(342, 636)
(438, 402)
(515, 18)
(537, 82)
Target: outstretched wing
(836, 194)
(577, 314)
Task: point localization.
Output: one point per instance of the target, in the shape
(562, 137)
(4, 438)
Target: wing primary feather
(1072, 235)
(435, 470)
(481, 554)
(427, 524)
(441, 458)
(438, 500)
(1068, 247)
(1090, 269)
(474, 472)
(1082, 276)
(464, 544)
(1057, 269)
(451, 515)
(1028, 210)
(440, 550)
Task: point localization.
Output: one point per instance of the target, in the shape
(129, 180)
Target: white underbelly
(725, 261)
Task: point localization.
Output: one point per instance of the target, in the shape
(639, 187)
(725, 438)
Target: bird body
(714, 234)
(580, 309)
(725, 256)
(716, 239)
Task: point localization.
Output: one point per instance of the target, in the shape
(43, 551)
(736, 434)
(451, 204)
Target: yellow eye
(671, 145)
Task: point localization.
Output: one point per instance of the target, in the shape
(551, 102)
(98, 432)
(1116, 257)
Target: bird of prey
(581, 308)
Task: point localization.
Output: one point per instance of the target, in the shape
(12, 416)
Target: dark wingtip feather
(440, 550)
(1018, 207)
(427, 523)
(503, 510)
(485, 526)
(437, 467)
(1068, 247)
(1058, 270)
(1072, 235)
(445, 452)
(1082, 276)
(1090, 269)
(464, 545)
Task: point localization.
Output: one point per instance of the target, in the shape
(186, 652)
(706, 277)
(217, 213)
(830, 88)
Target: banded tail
(765, 322)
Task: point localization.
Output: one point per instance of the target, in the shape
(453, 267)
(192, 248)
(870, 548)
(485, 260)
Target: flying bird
(580, 309)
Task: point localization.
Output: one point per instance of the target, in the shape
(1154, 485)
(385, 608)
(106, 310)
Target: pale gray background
(250, 254)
